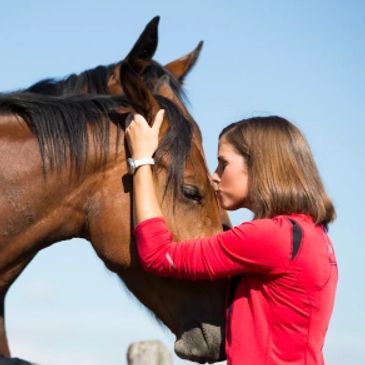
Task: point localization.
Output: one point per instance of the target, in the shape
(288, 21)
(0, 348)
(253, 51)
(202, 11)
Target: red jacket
(284, 299)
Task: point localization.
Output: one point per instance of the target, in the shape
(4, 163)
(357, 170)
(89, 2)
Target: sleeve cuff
(150, 222)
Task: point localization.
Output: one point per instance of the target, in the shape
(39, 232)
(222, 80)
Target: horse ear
(138, 94)
(145, 47)
(180, 67)
(138, 57)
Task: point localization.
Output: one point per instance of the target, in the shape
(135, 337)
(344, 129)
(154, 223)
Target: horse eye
(192, 193)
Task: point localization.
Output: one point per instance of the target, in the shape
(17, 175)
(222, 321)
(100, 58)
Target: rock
(148, 353)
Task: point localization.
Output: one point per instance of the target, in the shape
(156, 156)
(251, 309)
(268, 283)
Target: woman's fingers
(143, 139)
(158, 119)
(140, 120)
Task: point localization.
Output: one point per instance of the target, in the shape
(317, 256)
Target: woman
(283, 260)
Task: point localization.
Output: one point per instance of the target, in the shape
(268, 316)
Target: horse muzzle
(203, 343)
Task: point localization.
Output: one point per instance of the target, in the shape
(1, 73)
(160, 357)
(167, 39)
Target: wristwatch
(134, 164)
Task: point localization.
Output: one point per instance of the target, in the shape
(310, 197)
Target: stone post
(148, 353)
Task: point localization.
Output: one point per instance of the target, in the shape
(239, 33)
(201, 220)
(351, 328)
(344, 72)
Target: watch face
(131, 166)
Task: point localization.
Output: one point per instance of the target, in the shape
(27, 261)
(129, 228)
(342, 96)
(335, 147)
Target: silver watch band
(144, 161)
(134, 164)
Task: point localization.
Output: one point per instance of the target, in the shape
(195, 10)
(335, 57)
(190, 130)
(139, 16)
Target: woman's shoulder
(277, 228)
(280, 221)
(264, 229)
(277, 222)
(264, 240)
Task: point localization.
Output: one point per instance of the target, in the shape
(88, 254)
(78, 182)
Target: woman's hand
(143, 139)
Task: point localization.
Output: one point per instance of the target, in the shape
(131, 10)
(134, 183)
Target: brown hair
(283, 177)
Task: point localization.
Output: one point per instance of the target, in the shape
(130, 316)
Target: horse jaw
(202, 343)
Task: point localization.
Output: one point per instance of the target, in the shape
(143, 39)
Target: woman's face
(230, 178)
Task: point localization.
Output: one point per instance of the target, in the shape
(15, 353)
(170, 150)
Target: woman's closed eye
(221, 166)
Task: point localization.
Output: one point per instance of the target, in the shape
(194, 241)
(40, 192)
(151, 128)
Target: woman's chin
(225, 205)
(230, 206)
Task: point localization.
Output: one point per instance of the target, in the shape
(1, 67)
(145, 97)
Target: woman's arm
(252, 246)
(262, 246)
(145, 201)
(143, 142)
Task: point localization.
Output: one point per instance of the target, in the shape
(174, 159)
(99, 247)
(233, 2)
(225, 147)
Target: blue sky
(303, 60)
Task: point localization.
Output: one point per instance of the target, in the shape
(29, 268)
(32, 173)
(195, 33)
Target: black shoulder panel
(297, 238)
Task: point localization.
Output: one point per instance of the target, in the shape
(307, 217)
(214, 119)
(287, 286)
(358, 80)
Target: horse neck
(38, 210)
(98, 182)
(109, 219)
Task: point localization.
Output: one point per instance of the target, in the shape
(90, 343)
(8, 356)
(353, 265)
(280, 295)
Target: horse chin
(202, 344)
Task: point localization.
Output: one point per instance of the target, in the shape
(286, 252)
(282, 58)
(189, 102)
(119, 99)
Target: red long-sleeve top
(282, 304)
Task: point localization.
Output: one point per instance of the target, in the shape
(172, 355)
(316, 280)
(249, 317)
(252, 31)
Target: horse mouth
(202, 344)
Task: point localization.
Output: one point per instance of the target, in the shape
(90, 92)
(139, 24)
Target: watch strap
(134, 164)
(144, 161)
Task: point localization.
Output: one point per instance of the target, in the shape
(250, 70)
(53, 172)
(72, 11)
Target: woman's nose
(215, 180)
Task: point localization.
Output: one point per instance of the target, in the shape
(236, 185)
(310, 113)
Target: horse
(64, 175)
(106, 79)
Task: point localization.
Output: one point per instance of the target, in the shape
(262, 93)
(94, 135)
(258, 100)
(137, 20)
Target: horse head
(193, 311)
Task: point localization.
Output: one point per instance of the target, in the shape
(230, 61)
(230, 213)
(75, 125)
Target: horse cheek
(110, 227)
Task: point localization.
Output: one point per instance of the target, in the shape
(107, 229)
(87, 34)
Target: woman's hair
(283, 177)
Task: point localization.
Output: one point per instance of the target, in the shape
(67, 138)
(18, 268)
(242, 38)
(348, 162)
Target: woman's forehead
(224, 147)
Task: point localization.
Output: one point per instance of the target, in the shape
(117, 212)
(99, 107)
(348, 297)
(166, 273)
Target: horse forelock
(177, 144)
(154, 71)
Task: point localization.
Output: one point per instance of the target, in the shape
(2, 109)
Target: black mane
(177, 143)
(93, 81)
(60, 126)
